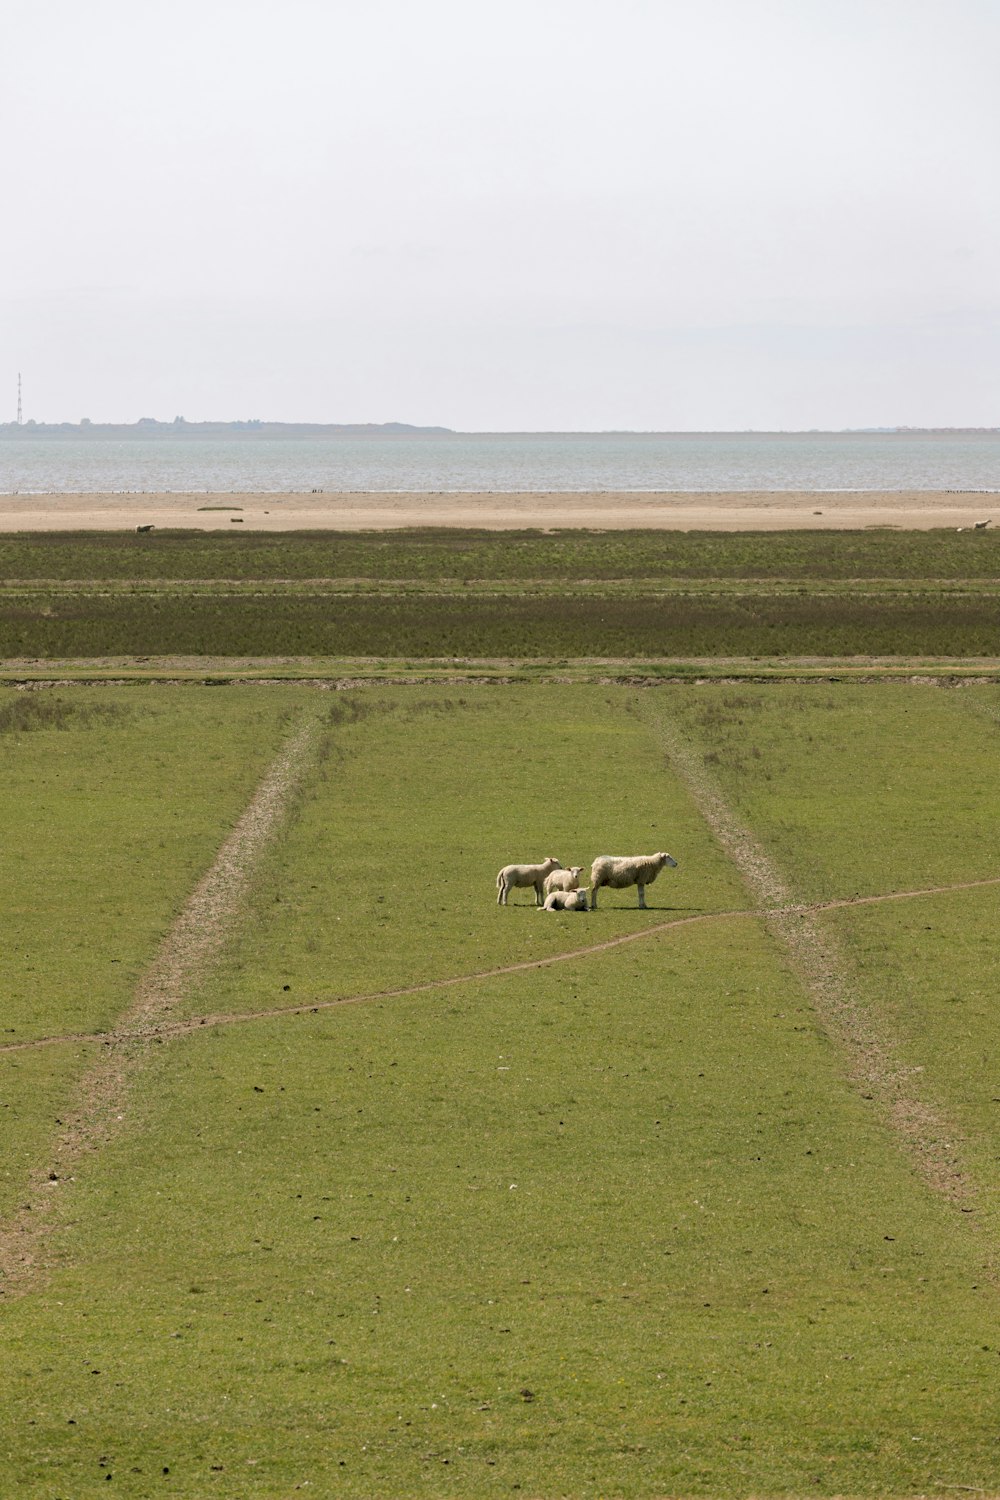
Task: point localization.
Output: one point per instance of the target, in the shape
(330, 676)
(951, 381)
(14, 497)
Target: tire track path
(874, 1065)
(190, 945)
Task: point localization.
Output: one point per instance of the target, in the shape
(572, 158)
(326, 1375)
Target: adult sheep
(512, 876)
(564, 880)
(566, 901)
(618, 871)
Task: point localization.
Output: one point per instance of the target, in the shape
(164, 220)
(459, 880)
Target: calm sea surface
(504, 461)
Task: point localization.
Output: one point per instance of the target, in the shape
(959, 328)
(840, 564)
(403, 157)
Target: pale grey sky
(540, 214)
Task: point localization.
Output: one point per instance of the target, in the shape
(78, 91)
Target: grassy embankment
(428, 594)
(618, 1225)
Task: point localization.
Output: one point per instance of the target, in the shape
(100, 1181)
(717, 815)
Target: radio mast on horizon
(19, 398)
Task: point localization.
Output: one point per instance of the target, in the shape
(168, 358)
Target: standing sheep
(514, 875)
(564, 880)
(566, 901)
(617, 871)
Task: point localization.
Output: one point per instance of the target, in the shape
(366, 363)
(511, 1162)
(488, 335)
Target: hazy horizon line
(253, 424)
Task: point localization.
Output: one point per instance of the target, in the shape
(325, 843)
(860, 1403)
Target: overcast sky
(535, 214)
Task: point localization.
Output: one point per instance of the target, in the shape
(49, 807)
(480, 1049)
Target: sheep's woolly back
(527, 874)
(513, 876)
(619, 870)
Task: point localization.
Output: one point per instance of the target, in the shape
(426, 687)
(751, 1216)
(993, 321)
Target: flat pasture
(408, 1194)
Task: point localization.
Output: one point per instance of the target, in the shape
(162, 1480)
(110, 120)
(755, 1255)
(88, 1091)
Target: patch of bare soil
(188, 948)
(873, 1063)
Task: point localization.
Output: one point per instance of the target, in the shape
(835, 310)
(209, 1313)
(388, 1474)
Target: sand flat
(501, 511)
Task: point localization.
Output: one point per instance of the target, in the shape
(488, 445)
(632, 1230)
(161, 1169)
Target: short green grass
(605, 1233)
(856, 789)
(617, 1226)
(365, 895)
(934, 967)
(113, 803)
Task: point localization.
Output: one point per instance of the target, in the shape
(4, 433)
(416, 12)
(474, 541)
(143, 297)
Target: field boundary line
(191, 943)
(166, 1028)
(873, 1064)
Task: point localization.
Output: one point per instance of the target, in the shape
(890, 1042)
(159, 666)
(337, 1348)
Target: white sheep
(617, 871)
(515, 875)
(566, 901)
(564, 880)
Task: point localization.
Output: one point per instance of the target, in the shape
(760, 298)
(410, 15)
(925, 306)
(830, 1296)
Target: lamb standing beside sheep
(618, 871)
(564, 880)
(512, 876)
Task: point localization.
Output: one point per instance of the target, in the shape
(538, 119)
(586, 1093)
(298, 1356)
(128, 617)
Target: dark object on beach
(236, 520)
(141, 529)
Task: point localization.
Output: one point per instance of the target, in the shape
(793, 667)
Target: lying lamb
(566, 901)
(617, 871)
(564, 880)
(514, 875)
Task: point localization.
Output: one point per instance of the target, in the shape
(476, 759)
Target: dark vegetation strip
(48, 626)
(445, 552)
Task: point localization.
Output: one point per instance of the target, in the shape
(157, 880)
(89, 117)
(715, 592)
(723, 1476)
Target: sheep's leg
(642, 898)
(593, 897)
(539, 898)
(502, 894)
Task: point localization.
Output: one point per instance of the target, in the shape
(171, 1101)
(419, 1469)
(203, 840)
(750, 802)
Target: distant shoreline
(253, 430)
(773, 510)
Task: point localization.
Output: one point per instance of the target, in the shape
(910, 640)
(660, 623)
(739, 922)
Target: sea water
(483, 462)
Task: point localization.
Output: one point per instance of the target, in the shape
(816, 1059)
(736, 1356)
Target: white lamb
(514, 875)
(566, 901)
(564, 880)
(618, 871)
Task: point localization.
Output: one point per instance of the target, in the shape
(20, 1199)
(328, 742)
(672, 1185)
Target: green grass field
(618, 1224)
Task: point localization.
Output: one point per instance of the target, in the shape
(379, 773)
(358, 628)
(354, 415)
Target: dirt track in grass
(871, 1053)
(184, 956)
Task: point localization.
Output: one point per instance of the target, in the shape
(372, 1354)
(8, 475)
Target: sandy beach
(920, 510)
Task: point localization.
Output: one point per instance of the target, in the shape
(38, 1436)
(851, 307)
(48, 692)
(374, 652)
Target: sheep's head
(667, 859)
